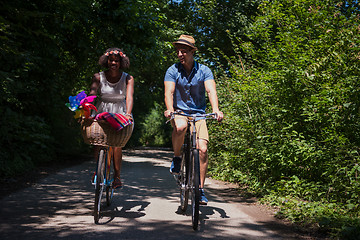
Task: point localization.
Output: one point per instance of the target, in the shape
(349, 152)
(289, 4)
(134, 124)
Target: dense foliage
(292, 112)
(49, 51)
(287, 76)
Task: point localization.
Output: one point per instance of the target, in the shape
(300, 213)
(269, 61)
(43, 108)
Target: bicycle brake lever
(171, 118)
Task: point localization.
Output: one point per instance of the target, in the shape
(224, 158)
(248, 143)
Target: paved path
(60, 207)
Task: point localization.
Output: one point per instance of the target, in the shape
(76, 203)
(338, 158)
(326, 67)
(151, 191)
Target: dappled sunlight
(61, 205)
(149, 154)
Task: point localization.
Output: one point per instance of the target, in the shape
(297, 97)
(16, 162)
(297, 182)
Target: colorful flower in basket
(81, 104)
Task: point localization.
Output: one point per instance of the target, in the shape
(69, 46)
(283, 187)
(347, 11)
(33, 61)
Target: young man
(185, 85)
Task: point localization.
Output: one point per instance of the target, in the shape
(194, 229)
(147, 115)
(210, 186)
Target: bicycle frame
(107, 181)
(102, 180)
(190, 180)
(192, 119)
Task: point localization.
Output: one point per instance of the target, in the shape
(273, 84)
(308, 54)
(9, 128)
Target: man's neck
(189, 66)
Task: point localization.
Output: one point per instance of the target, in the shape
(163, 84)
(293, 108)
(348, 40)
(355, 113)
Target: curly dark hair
(124, 60)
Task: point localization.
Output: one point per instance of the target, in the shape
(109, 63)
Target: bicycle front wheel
(195, 192)
(109, 178)
(99, 187)
(183, 182)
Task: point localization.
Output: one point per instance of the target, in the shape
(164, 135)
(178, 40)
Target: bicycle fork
(107, 180)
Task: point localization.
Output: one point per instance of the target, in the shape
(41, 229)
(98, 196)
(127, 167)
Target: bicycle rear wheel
(195, 192)
(183, 176)
(109, 178)
(99, 187)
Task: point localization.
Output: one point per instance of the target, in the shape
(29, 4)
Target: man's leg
(178, 134)
(202, 145)
(203, 155)
(179, 129)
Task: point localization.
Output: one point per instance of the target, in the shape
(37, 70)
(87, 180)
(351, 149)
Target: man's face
(184, 53)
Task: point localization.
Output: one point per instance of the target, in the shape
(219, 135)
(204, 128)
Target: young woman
(116, 89)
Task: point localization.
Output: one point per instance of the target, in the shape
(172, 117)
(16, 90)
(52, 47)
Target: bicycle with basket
(101, 133)
(106, 130)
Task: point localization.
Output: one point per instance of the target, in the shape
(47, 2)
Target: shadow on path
(60, 207)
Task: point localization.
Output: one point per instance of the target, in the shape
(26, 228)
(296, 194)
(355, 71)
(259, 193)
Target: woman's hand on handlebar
(129, 116)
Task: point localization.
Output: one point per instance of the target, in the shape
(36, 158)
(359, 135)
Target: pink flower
(115, 53)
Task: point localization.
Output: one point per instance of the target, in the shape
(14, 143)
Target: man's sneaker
(203, 199)
(175, 165)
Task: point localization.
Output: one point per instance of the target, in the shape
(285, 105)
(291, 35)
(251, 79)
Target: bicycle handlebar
(195, 116)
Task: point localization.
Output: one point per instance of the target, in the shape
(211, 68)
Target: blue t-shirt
(189, 95)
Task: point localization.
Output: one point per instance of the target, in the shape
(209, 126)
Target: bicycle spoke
(99, 187)
(184, 191)
(109, 179)
(195, 196)
(189, 178)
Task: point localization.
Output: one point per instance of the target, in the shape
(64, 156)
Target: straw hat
(186, 40)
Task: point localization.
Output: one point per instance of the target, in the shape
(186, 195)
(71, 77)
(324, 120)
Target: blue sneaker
(175, 166)
(203, 199)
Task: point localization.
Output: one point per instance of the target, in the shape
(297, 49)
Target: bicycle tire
(195, 192)
(109, 179)
(184, 190)
(99, 187)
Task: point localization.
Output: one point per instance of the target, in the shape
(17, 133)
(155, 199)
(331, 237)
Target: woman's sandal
(117, 183)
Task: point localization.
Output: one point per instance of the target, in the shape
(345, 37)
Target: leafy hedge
(292, 109)
(49, 51)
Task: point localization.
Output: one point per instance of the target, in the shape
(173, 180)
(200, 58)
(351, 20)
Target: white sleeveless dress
(112, 95)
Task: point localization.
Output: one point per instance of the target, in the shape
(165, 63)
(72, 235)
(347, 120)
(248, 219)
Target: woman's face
(114, 62)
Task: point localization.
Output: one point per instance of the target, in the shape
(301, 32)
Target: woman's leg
(117, 161)
(117, 166)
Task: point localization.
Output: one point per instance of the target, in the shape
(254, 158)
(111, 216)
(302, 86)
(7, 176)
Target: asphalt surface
(147, 207)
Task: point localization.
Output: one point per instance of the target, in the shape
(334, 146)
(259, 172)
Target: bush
(154, 130)
(292, 112)
(25, 142)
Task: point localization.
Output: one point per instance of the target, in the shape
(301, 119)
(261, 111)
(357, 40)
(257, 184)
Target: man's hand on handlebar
(168, 113)
(219, 116)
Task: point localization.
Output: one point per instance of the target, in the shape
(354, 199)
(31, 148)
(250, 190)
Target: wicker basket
(101, 133)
